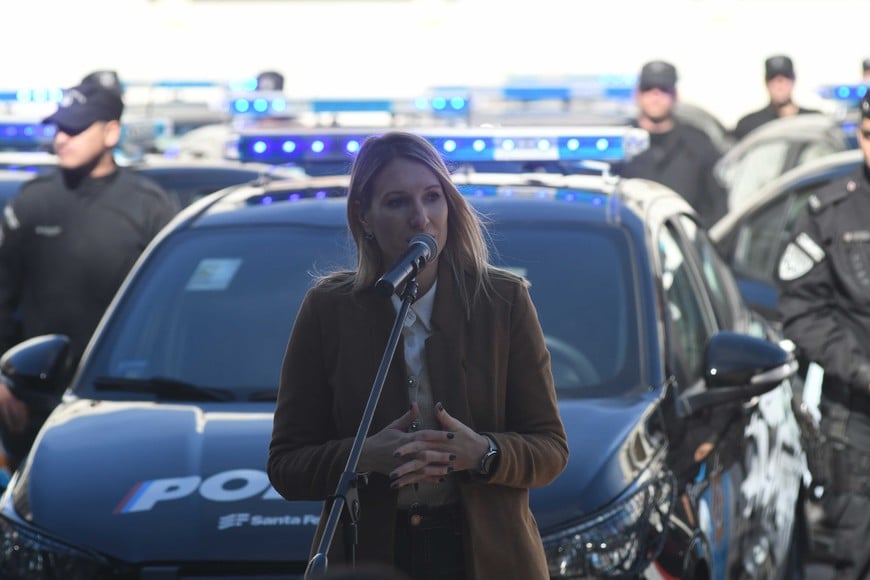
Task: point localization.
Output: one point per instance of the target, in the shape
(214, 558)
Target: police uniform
(774, 66)
(65, 249)
(756, 119)
(683, 160)
(824, 278)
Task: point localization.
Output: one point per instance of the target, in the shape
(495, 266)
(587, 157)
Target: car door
(760, 443)
(705, 444)
(753, 248)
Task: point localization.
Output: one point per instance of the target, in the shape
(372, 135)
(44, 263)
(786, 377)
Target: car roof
(797, 127)
(513, 197)
(805, 174)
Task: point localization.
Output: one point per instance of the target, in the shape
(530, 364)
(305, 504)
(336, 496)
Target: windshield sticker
(519, 271)
(131, 369)
(213, 274)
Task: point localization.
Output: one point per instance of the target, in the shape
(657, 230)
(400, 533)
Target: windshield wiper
(164, 388)
(264, 395)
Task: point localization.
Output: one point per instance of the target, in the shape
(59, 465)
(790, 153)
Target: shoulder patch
(810, 246)
(794, 263)
(832, 193)
(10, 218)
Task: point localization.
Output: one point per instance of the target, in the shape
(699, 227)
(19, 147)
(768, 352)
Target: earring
(369, 236)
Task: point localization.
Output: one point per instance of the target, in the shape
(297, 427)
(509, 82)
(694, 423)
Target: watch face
(487, 461)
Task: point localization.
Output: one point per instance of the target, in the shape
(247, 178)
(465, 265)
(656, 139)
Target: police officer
(779, 79)
(824, 278)
(270, 80)
(68, 240)
(680, 156)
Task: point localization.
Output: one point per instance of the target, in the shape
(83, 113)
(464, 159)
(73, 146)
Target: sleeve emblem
(10, 218)
(794, 263)
(810, 246)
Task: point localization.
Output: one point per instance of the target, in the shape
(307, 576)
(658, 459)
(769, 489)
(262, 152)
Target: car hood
(146, 482)
(609, 448)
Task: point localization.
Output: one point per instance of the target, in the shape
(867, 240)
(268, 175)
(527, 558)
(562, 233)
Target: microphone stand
(346, 491)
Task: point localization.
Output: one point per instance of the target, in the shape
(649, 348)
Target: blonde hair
(466, 251)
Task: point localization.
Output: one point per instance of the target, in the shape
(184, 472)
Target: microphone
(421, 249)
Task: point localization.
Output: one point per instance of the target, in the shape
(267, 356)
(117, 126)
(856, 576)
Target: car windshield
(213, 308)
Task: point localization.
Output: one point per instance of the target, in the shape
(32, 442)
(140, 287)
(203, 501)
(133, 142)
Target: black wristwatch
(487, 462)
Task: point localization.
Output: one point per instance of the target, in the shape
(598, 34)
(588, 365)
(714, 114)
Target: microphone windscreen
(430, 242)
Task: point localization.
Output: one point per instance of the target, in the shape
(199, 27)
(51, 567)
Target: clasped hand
(427, 455)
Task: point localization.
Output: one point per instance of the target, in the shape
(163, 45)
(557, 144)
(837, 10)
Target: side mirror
(38, 365)
(737, 368)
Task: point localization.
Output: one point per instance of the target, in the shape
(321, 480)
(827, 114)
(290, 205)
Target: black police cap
(270, 81)
(658, 74)
(778, 66)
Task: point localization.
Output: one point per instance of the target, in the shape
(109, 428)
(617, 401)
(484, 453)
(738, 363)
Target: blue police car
(685, 455)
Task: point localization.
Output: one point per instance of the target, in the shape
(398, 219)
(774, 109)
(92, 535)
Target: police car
(598, 99)
(153, 463)
(24, 150)
(752, 237)
(783, 144)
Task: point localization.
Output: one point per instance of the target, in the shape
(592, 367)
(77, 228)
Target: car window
(586, 302)
(688, 328)
(762, 236)
(721, 286)
(756, 168)
(214, 307)
(815, 150)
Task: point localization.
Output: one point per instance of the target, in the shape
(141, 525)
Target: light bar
(265, 104)
(843, 92)
(258, 104)
(351, 105)
(24, 136)
(568, 88)
(176, 84)
(31, 96)
(457, 145)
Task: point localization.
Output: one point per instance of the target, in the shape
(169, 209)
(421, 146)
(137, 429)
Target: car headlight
(25, 553)
(620, 541)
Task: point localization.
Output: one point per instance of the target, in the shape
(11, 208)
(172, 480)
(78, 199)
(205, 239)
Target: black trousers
(429, 542)
(840, 532)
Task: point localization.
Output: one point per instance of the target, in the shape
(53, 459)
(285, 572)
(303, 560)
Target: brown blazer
(491, 372)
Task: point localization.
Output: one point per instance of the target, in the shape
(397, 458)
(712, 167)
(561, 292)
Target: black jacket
(683, 160)
(824, 278)
(66, 248)
(756, 119)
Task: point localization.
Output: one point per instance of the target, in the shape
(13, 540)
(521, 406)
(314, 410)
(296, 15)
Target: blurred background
(380, 48)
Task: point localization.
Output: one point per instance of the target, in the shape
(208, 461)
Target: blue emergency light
(24, 136)
(31, 96)
(847, 93)
(569, 88)
(266, 104)
(462, 145)
(176, 84)
(258, 104)
(572, 195)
